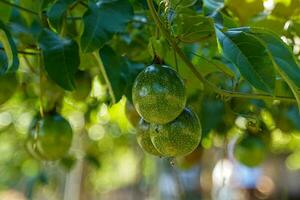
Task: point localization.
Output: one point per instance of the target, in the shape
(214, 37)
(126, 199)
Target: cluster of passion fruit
(167, 127)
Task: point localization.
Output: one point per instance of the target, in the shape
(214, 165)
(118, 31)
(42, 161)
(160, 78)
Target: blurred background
(105, 161)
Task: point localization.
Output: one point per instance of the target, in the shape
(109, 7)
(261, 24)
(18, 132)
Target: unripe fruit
(179, 137)
(51, 137)
(143, 138)
(158, 94)
(250, 150)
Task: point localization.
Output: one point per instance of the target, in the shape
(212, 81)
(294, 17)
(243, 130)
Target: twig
(19, 7)
(24, 52)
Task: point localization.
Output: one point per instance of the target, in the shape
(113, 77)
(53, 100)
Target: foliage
(237, 59)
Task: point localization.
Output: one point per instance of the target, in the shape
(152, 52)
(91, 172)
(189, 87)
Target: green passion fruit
(179, 137)
(158, 94)
(8, 86)
(50, 138)
(250, 150)
(143, 138)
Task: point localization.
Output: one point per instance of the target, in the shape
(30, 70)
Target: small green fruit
(158, 94)
(51, 137)
(250, 150)
(179, 137)
(143, 138)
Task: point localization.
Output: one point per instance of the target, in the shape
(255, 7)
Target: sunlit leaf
(249, 55)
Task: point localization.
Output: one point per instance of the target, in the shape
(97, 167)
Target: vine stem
(40, 61)
(99, 61)
(191, 66)
(19, 7)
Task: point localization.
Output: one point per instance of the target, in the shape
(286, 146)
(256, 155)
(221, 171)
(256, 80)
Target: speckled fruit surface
(143, 138)
(158, 94)
(179, 137)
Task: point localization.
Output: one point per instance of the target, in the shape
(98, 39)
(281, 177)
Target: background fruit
(179, 137)
(143, 138)
(250, 150)
(158, 94)
(54, 136)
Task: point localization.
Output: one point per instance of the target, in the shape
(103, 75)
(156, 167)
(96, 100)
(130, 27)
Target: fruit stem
(191, 66)
(41, 84)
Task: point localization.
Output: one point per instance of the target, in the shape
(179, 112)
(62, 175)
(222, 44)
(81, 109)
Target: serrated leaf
(61, 58)
(57, 12)
(284, 61)
(102, 21)
(11, 54)
(249, 55)
(120, 72)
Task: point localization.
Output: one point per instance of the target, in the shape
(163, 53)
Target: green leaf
(120, 72)
(102, 21)
(211, 6)
(269, 22)
(249, 55)
(190, 27)
(5, 12)
(57, 12)
(11, 58)
(182, 3)
(284, 61)
(61, 58)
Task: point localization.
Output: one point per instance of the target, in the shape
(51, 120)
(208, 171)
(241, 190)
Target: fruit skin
(131, 114)
(51, 137)
(143, 138)
(250, 150)
(158, 94)
(8, 86)
(179, 137)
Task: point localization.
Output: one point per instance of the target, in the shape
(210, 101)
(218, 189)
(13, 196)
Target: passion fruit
(51, 137)
(143, 138)
(179, 137)
(250, 150)
(158, 94)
